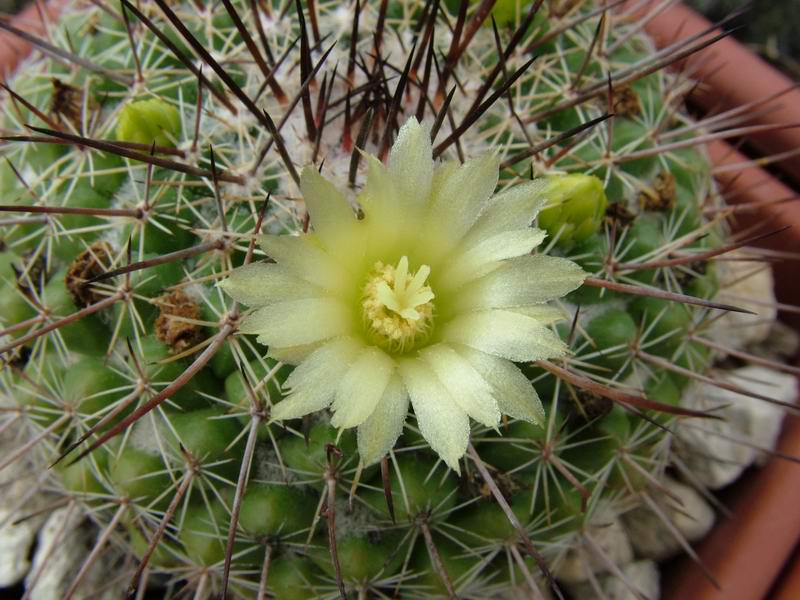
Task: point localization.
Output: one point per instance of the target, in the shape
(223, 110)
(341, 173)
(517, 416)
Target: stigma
(397, 306)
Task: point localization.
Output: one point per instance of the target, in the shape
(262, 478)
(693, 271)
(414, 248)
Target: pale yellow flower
(429, 298)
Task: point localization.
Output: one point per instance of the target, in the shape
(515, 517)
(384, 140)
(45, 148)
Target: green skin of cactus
(210, 413)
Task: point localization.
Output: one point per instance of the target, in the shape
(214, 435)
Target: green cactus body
(444, 534)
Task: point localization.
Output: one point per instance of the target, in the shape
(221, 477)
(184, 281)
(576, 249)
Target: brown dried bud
(618, 213)
(66, 103)
(91, 263)
(174, 324)
(662, 194)
(590, 406)
(626, 103)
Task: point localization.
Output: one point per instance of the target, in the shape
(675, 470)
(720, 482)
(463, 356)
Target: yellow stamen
(397, 307)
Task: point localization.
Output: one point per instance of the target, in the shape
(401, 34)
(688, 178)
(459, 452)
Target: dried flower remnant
(176, 323)
(90, 263)
(661, 195)
(428, 298)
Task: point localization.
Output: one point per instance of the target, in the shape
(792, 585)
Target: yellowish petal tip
(455, 465)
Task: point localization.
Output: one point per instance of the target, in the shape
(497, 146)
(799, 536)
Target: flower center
(397, 306)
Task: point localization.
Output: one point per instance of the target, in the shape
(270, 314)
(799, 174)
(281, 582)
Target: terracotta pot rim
(13, 49)
(747, 552)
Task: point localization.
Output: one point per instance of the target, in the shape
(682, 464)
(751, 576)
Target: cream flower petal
(362, 387)
(385, 216)
(411, 164)
(506, 334)
(484, 256)
(442, 174)
(513, 209)
(462, 197)
(544, 313)
(466, 386)
(522, 281)
(298, 322)
(378, 197)
(378, 434)
(441, 421)
(292, 355)
(515, 395)
(505, 245)
(305, 260)
(311, 381)
(259, 284)
(331, 215)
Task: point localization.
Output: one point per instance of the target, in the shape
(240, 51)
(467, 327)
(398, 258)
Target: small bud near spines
(575, 208)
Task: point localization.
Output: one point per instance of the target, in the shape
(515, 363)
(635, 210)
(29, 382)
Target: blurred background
(769, 27)
(11, 6)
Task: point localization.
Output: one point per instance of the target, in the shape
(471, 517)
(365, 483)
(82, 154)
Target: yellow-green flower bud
(576, 204)
(505, 12)
(149, 121)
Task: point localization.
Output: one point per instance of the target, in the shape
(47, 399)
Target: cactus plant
(172, 368)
